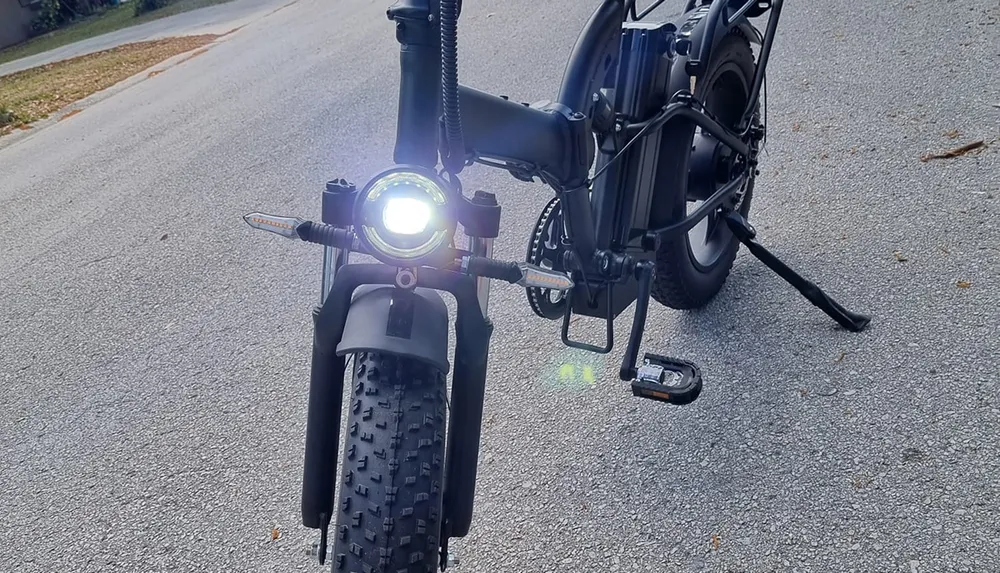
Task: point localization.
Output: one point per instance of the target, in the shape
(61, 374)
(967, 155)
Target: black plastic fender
(409, 323)
(364, 291)
(692, 28)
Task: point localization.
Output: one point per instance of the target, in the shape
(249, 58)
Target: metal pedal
(669, 380)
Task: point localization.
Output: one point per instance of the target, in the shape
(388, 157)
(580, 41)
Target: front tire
(389, 516)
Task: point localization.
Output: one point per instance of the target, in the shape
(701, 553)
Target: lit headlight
(405, 215)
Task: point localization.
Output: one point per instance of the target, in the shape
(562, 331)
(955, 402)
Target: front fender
(408, 323)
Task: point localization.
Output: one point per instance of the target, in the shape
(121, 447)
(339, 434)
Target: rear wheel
(691, 268)
(389, 517)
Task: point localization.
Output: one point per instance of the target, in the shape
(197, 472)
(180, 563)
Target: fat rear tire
(389, 516)
(681, 282)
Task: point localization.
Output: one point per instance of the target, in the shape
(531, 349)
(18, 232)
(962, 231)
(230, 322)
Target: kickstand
(746, 234)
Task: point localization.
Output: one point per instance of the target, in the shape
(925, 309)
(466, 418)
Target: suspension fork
(333, 260)
(482, 247)
(468, 396)
(338, 202)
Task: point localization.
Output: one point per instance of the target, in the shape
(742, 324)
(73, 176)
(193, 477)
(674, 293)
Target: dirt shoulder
(108, 20)
(31, 95)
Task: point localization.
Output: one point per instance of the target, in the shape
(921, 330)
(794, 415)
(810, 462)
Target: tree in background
(55, 13)
(143, 6)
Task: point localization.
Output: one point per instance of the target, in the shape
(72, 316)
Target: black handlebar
(327, 235)
(330, 236)
(492, 269)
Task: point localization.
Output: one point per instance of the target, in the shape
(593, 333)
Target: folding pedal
(669, 380)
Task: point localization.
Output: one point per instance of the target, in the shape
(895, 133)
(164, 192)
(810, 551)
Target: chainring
(546, 250)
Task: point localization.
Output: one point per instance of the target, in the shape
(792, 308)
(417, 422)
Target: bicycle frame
(493, 126)
(554, 140)
(624, 81)
(604, 216)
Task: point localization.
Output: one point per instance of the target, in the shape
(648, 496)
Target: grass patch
(111, 19)
(33, 94)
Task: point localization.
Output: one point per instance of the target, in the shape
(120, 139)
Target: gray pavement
(155, 352)
(217, 19)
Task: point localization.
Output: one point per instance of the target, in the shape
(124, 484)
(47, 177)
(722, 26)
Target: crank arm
(644, 271)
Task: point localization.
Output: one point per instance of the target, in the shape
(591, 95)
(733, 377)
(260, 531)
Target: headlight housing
(405, 216)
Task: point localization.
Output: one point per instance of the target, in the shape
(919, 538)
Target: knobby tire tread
(389, 516)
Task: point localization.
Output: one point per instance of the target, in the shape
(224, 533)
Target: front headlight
(405, 216)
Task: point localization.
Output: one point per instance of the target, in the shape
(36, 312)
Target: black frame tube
(495, 127)
(649, 9)
(746, 6)
(765, 53)
(701, 119)
(419, 37)
(691, 221)
(716, 13)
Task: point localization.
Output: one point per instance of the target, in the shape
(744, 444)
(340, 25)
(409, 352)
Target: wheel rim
(712, 165)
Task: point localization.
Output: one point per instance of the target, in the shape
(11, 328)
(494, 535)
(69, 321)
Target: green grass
(112, 19)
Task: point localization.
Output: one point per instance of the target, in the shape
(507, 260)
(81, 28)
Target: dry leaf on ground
(956, 152)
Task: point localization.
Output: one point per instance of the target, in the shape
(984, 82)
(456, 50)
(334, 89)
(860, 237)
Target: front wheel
(389, 517)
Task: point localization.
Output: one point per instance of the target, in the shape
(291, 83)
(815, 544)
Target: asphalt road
(154, 351)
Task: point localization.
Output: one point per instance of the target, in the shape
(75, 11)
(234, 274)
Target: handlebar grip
(328, 235)
(494, 269)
